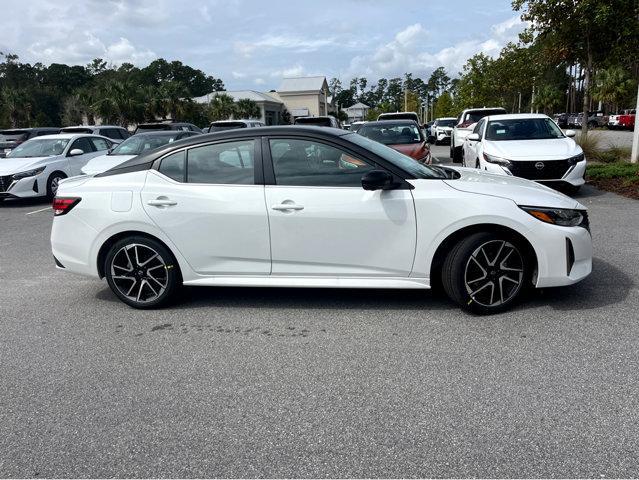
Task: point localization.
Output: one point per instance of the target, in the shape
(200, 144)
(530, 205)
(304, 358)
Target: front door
(206, 201)
(323, 223)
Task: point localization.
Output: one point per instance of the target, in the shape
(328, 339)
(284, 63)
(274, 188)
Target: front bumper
(35, 186)
(564, 256)
(575, 175)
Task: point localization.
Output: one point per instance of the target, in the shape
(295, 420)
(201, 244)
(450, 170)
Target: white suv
(465, 124)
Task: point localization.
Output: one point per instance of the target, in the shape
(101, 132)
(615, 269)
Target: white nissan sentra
(526, 145)
(36, 167)
(314, 207)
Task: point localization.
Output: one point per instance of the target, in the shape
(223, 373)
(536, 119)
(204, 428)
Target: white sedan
(36, 167)
(530, 146)
(308, 207)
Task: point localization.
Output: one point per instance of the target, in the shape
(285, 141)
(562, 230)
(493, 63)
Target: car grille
(5, 182)
(552, 169)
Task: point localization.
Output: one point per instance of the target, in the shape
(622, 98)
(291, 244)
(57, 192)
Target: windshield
(523, 129)
(406, 163)
(477, 115)
(137, 144)
(39, 147)
(76, 130)
(322, 122)
(446, 123)
(219, 127)
(392, 134)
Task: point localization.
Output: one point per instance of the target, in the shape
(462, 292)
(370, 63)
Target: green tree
(221, 107)
(444, 106)
(247, 108)
(547, 97)
(590, 33)
(613, 86)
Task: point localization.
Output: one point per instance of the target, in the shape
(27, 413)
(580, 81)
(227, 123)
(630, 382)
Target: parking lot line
(38, 211)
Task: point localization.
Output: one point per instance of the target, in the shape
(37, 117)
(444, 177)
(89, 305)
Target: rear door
(207, 201)
(323, 223)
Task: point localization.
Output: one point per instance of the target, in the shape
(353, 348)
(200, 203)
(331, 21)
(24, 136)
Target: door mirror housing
(570, 133)
(75, 152)
(378, 180)
(474, 137)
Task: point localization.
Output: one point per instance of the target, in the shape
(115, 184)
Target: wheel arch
(109, 242)
(446, 245)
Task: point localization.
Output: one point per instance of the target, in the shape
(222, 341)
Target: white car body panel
(103, 163)
(341, 231)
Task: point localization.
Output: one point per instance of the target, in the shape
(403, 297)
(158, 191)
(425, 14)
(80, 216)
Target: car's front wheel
(53, 182)
(141, 272)
(485, 273)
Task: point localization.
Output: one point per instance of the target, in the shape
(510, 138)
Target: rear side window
(229, 163)
(111, 133)
(173, 166)
(100, 144)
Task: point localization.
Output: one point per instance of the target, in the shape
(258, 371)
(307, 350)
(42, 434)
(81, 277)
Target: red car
(405, 136)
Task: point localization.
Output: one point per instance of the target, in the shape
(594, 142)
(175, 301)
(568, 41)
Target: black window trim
(369, 157)
(258, 168)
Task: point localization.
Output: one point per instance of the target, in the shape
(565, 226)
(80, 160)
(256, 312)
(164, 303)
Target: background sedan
(405, 136)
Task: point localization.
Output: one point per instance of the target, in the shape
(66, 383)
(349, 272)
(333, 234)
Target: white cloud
(405, 53)
(259, 81)
(238, 75)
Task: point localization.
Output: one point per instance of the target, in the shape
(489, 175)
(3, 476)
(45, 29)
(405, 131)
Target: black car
(147, 127)
(10, 139)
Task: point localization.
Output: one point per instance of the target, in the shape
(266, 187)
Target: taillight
(63, 205)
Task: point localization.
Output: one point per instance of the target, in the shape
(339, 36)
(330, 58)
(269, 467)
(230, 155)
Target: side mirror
(377, 180)
(570, 133)
(474, 137)
(75, 152)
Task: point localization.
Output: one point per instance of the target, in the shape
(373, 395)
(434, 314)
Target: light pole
(634, 157)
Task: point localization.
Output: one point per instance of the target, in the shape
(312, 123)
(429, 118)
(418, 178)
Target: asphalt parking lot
(317, 383)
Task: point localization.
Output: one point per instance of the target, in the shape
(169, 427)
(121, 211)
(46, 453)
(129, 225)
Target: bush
(591, 146)
(622, 170)
(615, 153)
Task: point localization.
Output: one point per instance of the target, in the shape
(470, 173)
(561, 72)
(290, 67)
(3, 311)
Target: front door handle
(283, 207)
(161, 202)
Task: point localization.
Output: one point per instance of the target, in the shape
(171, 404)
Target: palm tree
(247, 108)
(175, 97)
(16, 106)
(118, 102)
(222, 107)
(547, 97)
(611, 86)
(152, 105)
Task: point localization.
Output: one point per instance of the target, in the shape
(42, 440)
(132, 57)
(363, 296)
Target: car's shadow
(607, 285)
(25, 202)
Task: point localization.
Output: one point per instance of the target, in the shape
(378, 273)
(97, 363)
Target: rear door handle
(282, 207)
(161, 202)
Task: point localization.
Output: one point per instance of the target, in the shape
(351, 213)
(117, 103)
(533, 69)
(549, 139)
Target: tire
(457, 154)
(52, 183)
(477, 164)
(125, 268)
(474, 284)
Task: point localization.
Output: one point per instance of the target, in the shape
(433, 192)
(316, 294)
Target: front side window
(308, 163)
(83, 144)
(479, 127)
(229, 163)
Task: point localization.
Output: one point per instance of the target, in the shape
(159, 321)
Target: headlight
(29, 173)
(559, 216)
(576, 159)
(497, 160)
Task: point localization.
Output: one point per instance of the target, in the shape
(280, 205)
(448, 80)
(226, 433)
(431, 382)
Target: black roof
(239, 133)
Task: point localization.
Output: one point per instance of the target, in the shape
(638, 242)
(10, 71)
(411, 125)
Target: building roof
(239, 95)
(302, 84)
(357, 105)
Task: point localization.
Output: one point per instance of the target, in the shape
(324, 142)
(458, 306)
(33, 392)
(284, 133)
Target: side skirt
(312, 282)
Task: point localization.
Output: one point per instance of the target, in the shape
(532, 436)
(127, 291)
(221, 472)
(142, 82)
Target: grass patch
(618, 177)
(595, 150)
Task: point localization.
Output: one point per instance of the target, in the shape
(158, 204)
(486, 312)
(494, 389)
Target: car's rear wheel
(142, 272)
(52, 184)
(485, 273)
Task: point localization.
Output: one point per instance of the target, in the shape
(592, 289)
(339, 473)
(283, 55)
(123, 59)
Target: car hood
(553, 149)
(103, 163)
(9, 166)
(414, 150)
(519, 190)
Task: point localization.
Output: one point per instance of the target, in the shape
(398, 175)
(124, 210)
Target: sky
(253, 44)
